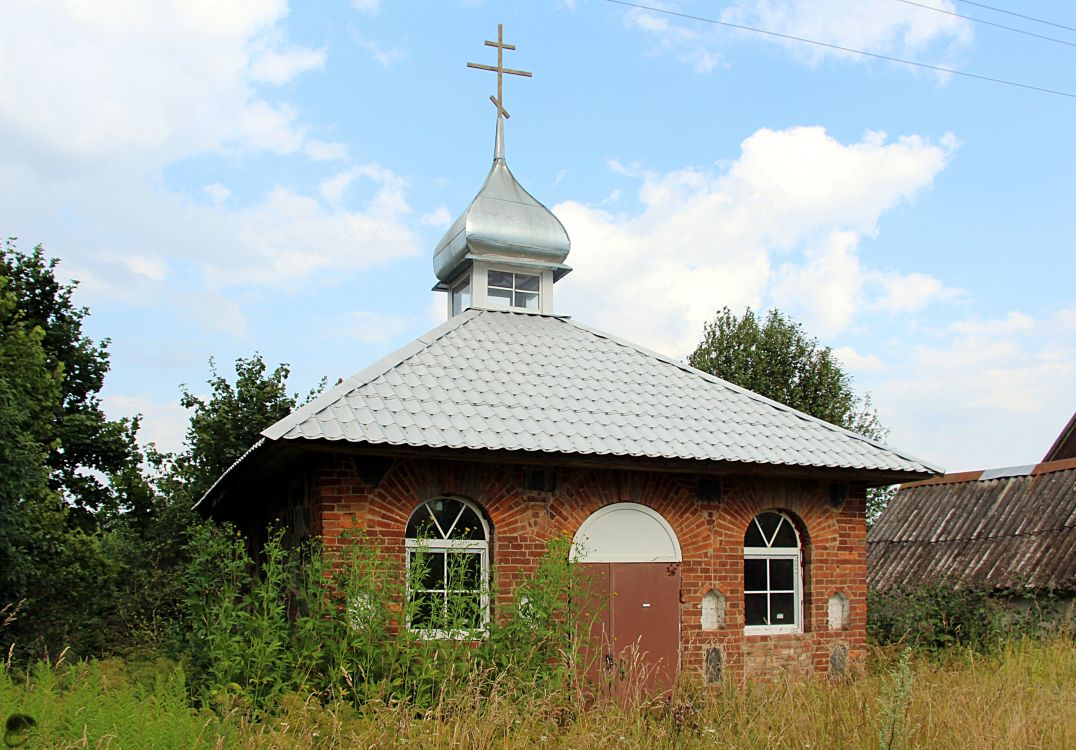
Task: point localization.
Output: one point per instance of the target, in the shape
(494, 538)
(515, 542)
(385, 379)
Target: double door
(632, 613)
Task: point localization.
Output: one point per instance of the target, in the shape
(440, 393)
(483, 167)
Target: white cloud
(285, 239)
(333, 188)
(145, 82)
(439, 217)
(626, 170)
(909, 292)
(384, 57)
(325, 150)
(1066, 318)
(368, 326)
(436, 310)
(152, 268)
(389, 199)
(889, 28)
(1014, 322)
(857, 362)
(289, 239)
(978, 389)
(683, 40)
(119, 92)
(825, 291)
(217, 193)
(366, 6)
(280, 66)
(163, 423)
(215, 312)
(796, 199)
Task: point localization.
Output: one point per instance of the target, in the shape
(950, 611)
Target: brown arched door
(629, 557)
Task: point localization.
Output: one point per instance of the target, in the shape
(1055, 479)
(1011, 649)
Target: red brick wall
(710, 535)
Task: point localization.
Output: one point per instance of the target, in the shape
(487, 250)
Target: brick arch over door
(628, 533)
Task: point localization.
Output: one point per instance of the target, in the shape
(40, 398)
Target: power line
(988, 23)
(827, 45)
(1018, 15)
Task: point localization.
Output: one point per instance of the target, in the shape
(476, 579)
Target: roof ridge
(365, 375)
(750, 394)
(986, 475)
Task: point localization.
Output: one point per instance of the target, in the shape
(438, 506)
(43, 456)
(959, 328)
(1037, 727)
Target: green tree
(30, 391)
(153, 539)
(85, 447)
(56, 577)
(776, 358)
(162, 531)
(229, 421)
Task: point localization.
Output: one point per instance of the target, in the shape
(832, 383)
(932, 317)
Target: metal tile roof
(510, 381)
(1001, 529)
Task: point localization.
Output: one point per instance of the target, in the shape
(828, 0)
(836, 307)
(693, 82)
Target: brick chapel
(727, 530)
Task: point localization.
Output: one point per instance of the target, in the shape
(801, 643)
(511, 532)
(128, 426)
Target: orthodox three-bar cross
(500, 70)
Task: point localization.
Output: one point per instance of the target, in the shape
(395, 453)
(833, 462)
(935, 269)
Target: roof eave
(869, 476)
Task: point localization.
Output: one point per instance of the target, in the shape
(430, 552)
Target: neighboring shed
(1007, 530)
(1065, 445)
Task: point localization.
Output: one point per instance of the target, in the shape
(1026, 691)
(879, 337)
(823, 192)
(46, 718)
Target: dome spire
(498, 144)
(507, 249)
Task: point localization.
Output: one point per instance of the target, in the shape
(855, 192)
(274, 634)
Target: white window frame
(777, 553)
(515, 272)
(463, 281)
(477, 546)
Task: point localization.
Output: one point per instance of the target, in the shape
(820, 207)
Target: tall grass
(302, 649)
(104, 704)
(1020, 696)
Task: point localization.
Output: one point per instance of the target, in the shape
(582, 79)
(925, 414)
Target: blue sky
(225, 178)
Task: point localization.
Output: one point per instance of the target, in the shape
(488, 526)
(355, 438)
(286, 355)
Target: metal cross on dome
(500, 70)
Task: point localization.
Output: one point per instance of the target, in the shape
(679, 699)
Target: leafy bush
(333, 624)
(935, 616)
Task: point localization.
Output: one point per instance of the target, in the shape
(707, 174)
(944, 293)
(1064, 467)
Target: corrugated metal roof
(1065, 444)
(980, 529)
(511, 381)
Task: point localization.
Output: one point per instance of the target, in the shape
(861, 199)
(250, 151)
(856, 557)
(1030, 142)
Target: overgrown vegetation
(93, 527)
(1019, 696)
(335, 626)
(934, 616)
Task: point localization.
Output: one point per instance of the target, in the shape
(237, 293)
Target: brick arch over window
(773, 573)
(821, 525)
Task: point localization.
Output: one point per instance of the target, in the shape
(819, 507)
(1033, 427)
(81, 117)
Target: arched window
(772, 576)
(447, 569)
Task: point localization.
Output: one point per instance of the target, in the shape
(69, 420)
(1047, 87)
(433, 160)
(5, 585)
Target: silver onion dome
(504, 221)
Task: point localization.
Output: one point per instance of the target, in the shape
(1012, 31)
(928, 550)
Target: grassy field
(1022, 696)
